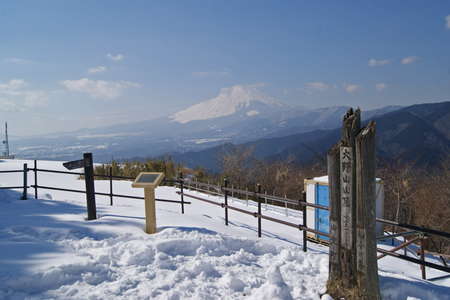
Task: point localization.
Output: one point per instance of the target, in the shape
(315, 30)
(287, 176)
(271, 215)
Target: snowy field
(48, 250)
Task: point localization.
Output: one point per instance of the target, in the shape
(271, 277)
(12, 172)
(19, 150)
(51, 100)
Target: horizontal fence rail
(391, 236)
(255, 214)
(103, 194)
(11, 171)
(12, 187)
(58, 172)
(223, 189)
(415, 260)
(416, 228)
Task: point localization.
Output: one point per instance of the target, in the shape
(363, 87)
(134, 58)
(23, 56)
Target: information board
(148, 180)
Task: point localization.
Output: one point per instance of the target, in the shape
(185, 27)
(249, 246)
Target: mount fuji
(238, 114)
(245, 101)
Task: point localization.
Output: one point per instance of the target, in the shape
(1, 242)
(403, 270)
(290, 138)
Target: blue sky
(65, 65)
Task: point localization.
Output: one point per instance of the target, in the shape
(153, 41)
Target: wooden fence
(256, 196)
(224, 191)
(109, 177)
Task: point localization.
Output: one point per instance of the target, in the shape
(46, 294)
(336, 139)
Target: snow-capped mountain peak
(229, 101)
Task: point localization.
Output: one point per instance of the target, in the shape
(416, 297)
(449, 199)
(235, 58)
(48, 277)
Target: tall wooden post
(353, 270)
(334, 189)
(351, 126)
(90, 187)
(366, 243)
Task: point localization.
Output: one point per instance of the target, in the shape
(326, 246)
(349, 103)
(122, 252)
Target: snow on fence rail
(257, 197)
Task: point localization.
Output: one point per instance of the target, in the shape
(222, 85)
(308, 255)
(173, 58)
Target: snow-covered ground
(49, 251)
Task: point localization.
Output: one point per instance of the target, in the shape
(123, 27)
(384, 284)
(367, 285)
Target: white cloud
(117, 57)
(99, 69)
(378, 62)
(16, 96)
(317, 86)
(13, 84)
(409, 60)
(351, 88)
(380, 86)
(9, 106)
(98, 89)
(35, 99)
(447, 18)
(17, 60)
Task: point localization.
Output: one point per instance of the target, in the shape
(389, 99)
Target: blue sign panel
(322, 216)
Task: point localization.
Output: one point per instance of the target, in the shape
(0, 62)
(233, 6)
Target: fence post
(246, 195)
(25, 183)
(232, 200)
(35, 180)
(265, 199)
(225, 183)
(182, 192)
(305, 238)
(422, 257)
(286, 206)
(110, 186)
(259, 209)
(405, 249)
(90, 188)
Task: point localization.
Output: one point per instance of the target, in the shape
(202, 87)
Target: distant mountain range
(241, 116)
(237, 115)
(418, 134)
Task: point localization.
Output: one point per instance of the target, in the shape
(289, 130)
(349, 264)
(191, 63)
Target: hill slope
(417, 134)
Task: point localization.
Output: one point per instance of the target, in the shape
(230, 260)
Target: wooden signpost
(74, 164)
(88, 165)
(353, 270)
(149, 181)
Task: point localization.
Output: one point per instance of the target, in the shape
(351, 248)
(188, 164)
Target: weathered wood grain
(366, 247)
(334, 180)
(350, 128)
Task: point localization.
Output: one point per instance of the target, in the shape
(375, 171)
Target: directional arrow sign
(75, 164)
